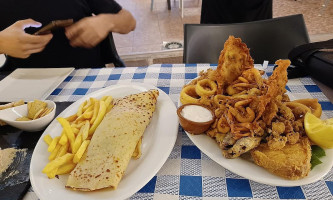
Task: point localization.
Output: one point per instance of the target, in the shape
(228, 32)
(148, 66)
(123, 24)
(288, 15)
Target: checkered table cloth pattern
(188, 173)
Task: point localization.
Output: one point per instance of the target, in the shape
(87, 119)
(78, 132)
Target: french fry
(88, 115)
(88, 105)
(79, 119)
(96, 108)
(109, 108)
(63, 150)
(85, 115)
(108, 101)
(54, 152)
(56, 163)
(90, 108)
(48, 139)
(52, 174)
(75, 130)
(92, 99)
(81, 151)
(68, 130)
(99, 118)
(80, 110)
(66, 168)
(53, 144)
(85, 130)
(103, 98)
(77, 143)
(71, 118)
(63, 138)
(79, 125)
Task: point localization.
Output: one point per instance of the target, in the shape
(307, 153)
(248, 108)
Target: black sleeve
(104, 6)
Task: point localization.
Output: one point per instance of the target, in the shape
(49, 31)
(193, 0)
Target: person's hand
(88, 32)
(16, 43)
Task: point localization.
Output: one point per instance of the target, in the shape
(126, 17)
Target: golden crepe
(113, 143)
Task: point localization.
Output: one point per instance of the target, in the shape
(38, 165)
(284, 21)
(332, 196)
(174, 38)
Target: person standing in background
(235, 11)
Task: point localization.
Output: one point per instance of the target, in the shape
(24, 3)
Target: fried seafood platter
(255, 118)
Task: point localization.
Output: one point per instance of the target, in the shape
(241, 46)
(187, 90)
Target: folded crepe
(113, 143)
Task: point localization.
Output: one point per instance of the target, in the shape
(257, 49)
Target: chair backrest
(270, 39)
(110, 53)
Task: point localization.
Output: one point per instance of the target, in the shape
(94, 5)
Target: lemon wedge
(319, 131)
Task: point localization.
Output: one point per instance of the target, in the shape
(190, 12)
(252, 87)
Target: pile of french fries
(68, 148)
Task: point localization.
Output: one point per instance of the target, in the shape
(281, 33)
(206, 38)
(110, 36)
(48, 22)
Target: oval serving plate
(248, 169)
(158, 141)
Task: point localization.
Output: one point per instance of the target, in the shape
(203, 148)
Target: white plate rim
(167, 141)
(207, 144)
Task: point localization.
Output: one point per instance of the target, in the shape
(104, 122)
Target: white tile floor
(163, 25)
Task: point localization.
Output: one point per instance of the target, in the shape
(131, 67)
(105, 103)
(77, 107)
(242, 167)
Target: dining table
(188, 173)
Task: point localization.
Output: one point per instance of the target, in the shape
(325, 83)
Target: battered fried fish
(291, 162)
(234, 59)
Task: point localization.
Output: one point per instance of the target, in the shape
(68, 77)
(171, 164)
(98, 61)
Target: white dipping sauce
(196, 113)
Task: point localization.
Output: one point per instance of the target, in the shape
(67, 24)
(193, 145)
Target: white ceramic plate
(247, 169)
(158, 141)
(32, 83)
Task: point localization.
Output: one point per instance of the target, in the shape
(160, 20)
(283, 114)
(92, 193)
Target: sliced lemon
(319, 131)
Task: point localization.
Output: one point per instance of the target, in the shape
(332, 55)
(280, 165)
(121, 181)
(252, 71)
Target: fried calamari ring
(242, 79)
(219, 99)
(239, 87)
(299, 110)
(254, 92)
(243, 115)
(243, 85)
(205, 87)
(223, 126)
(219, 112)
(243, 102)
(243, 128)
(188, 95)
(313, 105)
(212, 132)
(206, 100)
(232, 90)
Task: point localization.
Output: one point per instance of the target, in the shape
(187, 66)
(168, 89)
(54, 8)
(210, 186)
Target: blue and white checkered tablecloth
(188, 173)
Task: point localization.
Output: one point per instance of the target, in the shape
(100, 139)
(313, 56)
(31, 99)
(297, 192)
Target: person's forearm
(123, 22)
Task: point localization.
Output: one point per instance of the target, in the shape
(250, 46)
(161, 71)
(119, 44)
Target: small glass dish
(192, 126)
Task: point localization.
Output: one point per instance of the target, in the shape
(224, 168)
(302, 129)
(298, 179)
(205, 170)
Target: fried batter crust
(291, 162)
(234, 59)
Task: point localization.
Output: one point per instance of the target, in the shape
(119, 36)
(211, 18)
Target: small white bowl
(11, 114)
